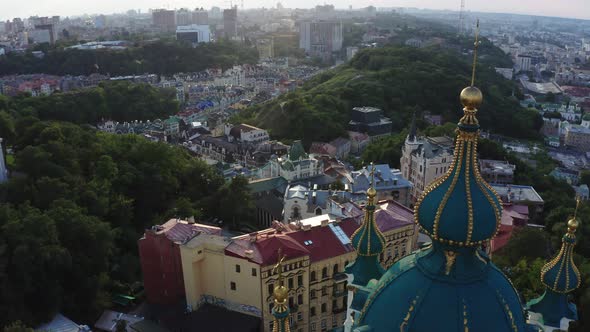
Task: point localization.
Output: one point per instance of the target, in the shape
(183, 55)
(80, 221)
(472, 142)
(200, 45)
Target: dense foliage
(118, 101)
(76, 204)
(163, 58)
(399, 80)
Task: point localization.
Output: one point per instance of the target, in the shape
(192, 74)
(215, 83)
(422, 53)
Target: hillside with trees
(163, 58)
(399, 80)
(77, 202)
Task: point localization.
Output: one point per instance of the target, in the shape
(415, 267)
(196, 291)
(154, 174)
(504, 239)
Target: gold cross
(279, 266)
(372, 174)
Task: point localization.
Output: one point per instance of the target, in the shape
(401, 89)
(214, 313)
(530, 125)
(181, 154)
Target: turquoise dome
(460, 207)
(369, 243)
(560, 277)
(451, 285)
(416, 294)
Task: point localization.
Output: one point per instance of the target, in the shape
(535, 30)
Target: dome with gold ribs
(561, 274)
(460, 208)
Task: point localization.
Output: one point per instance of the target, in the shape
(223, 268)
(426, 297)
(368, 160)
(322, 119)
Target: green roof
(268, 184)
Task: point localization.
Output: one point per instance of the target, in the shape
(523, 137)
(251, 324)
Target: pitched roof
(322, 242)
(181, 231)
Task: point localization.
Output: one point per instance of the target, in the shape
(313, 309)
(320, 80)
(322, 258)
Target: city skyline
(578, 9)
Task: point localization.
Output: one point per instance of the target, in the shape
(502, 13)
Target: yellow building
(237, 273)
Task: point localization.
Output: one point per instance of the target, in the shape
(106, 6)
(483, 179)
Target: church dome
(451, 285)
(416, 294)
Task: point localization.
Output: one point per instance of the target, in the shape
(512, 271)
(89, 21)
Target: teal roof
(452, 285)
(297, 151)
(561, 274)
(460, 207)
(416, 294)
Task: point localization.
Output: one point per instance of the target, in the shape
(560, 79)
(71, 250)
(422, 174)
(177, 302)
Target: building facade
(424, 160)
(320, 38)
(193, 34)
(230, 22)
(370, 120)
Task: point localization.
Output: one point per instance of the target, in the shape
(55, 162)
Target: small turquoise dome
(460, 207)
(417, 294)
(561, 274)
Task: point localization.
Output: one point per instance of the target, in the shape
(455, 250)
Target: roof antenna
(475, 45)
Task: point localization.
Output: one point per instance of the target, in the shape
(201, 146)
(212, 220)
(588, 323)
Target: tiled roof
(181, 231)
(322, 243)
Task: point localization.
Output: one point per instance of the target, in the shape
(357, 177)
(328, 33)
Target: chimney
(325, 222)
(249, 253)
(306, 227)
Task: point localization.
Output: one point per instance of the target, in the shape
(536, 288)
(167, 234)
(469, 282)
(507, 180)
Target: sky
(561, 8)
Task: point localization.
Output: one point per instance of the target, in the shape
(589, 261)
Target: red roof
(269, 247)
(181, 231)
(323, 243)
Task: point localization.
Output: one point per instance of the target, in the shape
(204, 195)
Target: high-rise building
(193, 34)
(184, 17)
(200, 16)
(320, 38)
(230, 22)
(164, 19)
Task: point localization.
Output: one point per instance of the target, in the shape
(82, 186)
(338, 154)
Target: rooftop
(517, 193)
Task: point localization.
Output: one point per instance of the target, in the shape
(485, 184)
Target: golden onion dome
(371, 192)
(471, 97)
(281, 293)
(572, 225)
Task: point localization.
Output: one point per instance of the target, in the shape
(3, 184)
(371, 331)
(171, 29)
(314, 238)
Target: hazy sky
(562, 8)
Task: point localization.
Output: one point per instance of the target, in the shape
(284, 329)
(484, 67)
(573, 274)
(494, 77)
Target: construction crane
(462, 17)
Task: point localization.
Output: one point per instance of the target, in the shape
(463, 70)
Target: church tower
(369, 243)
(560, 276)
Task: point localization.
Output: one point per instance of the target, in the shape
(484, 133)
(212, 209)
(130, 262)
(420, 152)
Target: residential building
(370, 120)
(425, 159)
(230, 22)
(578, 137)
(342, 146)
(302, 202)
(159, 254)
(296, 165)
(517, 194)
(358, 142)
(164, 19)
(3, 169)
(238, 273)
(388, 182)
(200, 17)
(193, 34)
(320, 38)
(246, 133)
(265, 48)
(523, 62)
(568, 175)
(497, 171)
(583, 192)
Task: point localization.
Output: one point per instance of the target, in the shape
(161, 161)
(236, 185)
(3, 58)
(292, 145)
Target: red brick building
(160, 259)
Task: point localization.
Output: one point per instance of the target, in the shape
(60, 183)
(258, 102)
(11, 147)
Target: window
(270, 325)
(270, 288)
(299, 299)
(237, 268)
(290, 283)
(318, 212)
(335, 269)
(334, 304)
(324, 273)
(270, 306)
(291, 302)
(312, 294)
(312, 311)
(299, 281)
(300, 316)
(324, 306)
(253, 272)
(232, 285)
(312, 327)
(324, 291)
(312, 277)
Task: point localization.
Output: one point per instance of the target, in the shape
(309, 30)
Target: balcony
(339, 277)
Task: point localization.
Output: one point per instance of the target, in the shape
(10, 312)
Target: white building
(296, 165)
(193, 33)
(246, 133)
(523, 62)
(424, 160)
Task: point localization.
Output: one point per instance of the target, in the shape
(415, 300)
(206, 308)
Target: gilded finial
(573, 223)
(471, 97)
(371, 192)
(280, 292)
(475, 46)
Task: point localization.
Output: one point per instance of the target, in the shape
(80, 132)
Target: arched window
(312, 277)
(324, 273)
(335, 268)
(318, 212)
(296, 214)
